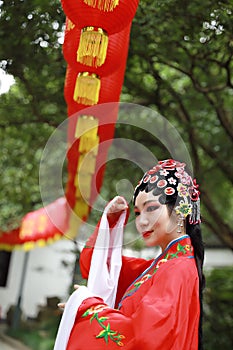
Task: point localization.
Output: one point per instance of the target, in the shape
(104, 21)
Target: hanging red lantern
(87, 47)
(116, 52)
(103, 5)
(111, 22)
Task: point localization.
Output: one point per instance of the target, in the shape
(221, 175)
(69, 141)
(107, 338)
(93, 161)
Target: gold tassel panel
(87, 131)
(93, 46)
(103, 5)
(83, 186)
(81, 208)
(87, 88)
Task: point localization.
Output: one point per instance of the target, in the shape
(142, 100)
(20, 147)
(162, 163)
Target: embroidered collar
(175, 249)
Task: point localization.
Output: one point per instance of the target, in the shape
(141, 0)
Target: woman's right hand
(115, 209)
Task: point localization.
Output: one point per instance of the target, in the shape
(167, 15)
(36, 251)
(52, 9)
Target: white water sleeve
(107, 259)
(102, 280)
(68, 317)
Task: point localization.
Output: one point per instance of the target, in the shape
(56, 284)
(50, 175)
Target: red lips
(146, 234)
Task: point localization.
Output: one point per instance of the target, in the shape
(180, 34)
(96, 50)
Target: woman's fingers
(61, 305)
(115, 209)
(118, 204)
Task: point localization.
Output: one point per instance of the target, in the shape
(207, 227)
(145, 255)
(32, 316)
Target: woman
(157, 303)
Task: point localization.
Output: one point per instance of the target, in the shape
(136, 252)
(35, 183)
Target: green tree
(31, 51)
(218, 312)
(179, 63)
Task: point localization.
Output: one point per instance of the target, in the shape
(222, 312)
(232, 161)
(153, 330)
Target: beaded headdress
(173, 184)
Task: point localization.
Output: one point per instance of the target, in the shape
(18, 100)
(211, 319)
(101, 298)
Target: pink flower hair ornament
(173, 184)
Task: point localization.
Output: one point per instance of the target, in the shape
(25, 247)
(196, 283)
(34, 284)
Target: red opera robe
(158, 304)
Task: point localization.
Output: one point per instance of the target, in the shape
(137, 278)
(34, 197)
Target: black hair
(194, 232)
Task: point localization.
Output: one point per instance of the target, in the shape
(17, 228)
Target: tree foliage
(34, 106)
(179, 63)
(218, 313)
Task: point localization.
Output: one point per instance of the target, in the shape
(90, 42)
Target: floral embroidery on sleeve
(107, 333)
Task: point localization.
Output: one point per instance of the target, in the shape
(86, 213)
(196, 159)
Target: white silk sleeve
(103, 276)
(107, 259)
(68, 317)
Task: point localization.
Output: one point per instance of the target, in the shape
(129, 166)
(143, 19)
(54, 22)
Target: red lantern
(112, 22)
(117, 51)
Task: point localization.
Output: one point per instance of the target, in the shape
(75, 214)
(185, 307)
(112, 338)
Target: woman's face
(153, 221)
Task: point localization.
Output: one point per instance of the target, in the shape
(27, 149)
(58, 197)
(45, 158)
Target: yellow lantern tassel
(89, 143)
(87, 131)
(83, 186)
(81, 208)
(103, 5)
(93, 46)
(85, 123)
(87, 88)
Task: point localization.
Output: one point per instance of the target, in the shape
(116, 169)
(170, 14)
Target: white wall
(45, 276)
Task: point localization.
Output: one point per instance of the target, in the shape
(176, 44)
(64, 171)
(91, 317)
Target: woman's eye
(152, 208)
(136, 213)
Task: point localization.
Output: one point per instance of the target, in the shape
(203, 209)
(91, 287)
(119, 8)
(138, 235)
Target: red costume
(158, 309)
(155, 303)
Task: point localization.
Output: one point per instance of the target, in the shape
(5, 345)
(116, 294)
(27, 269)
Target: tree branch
(223, 230)
(226, 124)
(184, 115)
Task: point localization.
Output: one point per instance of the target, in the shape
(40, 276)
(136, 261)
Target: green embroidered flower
(181, 248)
(107, 333)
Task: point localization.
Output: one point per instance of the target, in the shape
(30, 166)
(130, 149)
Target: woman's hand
(62, 305)
(116, 207)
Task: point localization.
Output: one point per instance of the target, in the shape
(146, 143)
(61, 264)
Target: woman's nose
(143, 220)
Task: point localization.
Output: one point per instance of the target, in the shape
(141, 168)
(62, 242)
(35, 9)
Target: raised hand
(115, 209)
